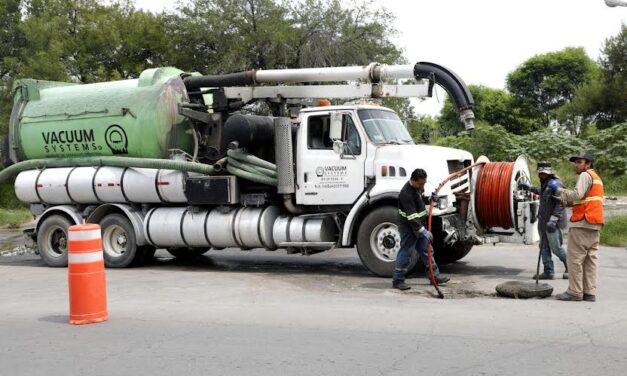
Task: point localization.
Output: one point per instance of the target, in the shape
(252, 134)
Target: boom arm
(368, 84)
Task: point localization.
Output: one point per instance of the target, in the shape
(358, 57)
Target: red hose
(492, 201)
(429, 246)
(492, 196)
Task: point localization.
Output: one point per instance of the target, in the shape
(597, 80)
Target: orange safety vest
(590, 206)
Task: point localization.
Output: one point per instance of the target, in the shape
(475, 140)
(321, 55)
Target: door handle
(305, 177)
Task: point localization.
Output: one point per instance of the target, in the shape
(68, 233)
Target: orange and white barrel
(86, 275)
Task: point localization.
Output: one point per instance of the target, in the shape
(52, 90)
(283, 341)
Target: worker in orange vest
(586, 221)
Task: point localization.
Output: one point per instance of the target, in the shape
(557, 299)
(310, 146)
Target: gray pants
(552, 243)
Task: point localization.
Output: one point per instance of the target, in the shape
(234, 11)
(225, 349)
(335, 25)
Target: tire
(187, 253)
(119, 245)
(449, 254)
(52, 240)
(378, 241)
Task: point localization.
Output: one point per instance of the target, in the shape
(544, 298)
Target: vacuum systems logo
(116, 139)
(70, 141)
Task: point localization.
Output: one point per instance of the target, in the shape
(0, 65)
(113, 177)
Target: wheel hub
(389, 241)
(121, 240)
(57, 241)
(114, 241)
(385, 241)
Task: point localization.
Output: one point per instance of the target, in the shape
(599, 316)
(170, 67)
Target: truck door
(325, 177)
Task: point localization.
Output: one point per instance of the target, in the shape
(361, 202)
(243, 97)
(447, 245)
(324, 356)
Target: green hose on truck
(245, 170)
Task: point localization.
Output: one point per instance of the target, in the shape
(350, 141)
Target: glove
(554, 185)
(424, 233)
(551, 225)
(433, 197)
(524, 186)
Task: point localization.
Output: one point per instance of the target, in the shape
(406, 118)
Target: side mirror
(338, 147)
(335, 132)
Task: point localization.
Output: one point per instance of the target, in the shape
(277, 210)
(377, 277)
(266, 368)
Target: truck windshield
(384, 127)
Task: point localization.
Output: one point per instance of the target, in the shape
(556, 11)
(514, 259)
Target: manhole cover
(524, 290)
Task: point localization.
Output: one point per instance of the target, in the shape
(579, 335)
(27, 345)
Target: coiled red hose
(492, 195)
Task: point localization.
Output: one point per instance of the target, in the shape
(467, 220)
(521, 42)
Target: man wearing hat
(584, 233)
(551, 219)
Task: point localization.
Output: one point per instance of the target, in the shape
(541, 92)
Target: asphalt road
(262, 313)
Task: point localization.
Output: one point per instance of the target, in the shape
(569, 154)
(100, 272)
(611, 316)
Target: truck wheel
(118, 242)
(186, 253)
(378, 241)
(52, 240)
(449, 254)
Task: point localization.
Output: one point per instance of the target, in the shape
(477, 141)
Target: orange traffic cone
(86, 275)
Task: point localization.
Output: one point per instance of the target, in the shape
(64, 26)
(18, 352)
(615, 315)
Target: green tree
(602, 101)
(216, 36)
(424, 130)
(492, 106)
(92, 41)
(221, 36)
(11, 37)
(492, 141)
(334, 33)
(545, 82)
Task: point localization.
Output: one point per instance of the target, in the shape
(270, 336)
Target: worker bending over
(414, 235)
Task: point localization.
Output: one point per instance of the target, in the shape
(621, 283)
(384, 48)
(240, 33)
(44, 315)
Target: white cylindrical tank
(93, 185)
(242, 227)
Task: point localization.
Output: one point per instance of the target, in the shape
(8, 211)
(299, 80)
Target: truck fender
(68, 211)
(349, 223)
(359, 208)
(136, 217)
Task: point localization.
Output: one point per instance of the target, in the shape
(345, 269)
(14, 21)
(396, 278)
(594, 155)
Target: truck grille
(461, 183)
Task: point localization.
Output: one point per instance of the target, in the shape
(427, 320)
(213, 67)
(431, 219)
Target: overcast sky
(483, 40)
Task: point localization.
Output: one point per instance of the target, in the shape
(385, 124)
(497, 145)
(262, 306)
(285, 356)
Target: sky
(483, 40)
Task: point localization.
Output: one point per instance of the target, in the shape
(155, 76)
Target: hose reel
(498, 207)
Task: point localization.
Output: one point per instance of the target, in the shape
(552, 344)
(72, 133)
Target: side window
(351, 136)
(318, 132)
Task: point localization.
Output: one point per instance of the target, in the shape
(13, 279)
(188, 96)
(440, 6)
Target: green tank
(130, 118)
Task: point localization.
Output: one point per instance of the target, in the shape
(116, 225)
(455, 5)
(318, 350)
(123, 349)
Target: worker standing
(585, 226)
(551, 219)
(414, 235)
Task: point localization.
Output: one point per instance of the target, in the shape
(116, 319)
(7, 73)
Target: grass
(13, 213)
(614, 233)
(13, 218)
(8, 200)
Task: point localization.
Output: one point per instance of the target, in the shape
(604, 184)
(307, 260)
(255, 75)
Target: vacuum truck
(255, 159)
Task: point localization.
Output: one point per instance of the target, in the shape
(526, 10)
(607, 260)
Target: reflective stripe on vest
(411, 217)
(590, 207)
(587, 199)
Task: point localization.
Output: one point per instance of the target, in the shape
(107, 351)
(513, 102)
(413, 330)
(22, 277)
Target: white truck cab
(376, 152)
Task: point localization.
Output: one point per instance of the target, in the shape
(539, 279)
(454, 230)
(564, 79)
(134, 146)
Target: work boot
(589, 297)
(568, 297)
(565, 275)
(401, 285)
(544, 276)
(440, 279)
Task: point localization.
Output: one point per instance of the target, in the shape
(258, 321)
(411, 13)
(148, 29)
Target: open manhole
(524, 290)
